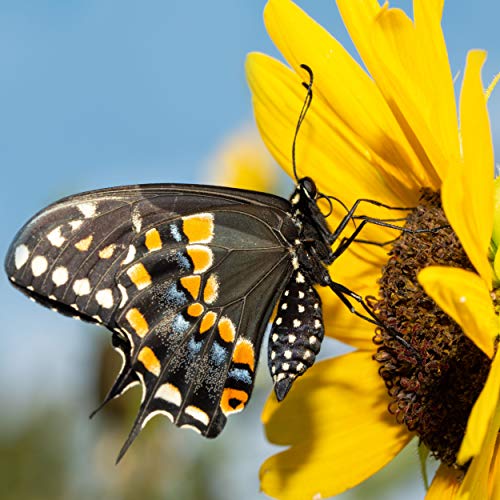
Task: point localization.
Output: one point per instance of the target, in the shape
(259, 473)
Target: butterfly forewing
(185, 276)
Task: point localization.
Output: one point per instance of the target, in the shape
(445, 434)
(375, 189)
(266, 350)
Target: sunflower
(391, 133)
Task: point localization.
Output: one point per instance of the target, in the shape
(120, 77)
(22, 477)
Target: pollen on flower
(434, 387)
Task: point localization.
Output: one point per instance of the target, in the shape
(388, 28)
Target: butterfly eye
(309, 187)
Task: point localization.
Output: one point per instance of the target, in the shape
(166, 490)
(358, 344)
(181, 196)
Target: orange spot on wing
(244, 353)
(201, 256)
(198, 228)
(107, 252)
(148, 358)
(208, 321)
(83, 245)
(139, 276)
(137, 321)
(192, 285)
(233, 400)
(153, 240)
(227, 331)
(195, 309)
(211, 290)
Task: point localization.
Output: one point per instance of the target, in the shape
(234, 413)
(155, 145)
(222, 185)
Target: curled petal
(464, 296)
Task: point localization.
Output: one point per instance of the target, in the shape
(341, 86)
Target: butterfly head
(305, 193)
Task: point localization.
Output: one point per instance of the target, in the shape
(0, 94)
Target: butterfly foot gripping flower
(391, 133)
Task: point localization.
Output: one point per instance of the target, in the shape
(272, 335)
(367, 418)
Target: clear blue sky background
(104, 92)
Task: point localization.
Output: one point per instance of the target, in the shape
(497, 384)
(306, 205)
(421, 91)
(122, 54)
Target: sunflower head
(393, 133)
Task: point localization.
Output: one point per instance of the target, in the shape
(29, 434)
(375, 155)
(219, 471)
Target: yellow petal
(410, 65)
(477, 480)
(327, 149)
(481, 415)
(338, 426)
(345, 88)
(464, 296)
(468, 192)
(494, 482)
(359, 268)
(445, 484)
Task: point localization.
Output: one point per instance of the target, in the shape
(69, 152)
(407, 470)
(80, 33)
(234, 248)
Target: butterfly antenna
(303, 112)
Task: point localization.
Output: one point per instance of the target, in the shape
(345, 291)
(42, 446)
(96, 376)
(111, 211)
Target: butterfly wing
(186, 277)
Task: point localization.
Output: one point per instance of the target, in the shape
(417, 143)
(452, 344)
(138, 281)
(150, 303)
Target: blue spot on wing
(218, 354)
(241, 375)
(183, 261)
(175, 296)
(180, 325)
(174, 231)
(194, 347)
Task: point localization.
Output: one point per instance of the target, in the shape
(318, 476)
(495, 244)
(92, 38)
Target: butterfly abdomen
(296, 333)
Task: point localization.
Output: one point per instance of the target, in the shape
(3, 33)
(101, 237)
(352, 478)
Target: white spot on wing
(21, 255)
(81, 287)
(60, 276)
(105, 298)
(130, 255)
(39, 265)
(136, 220)
(88, 209)
(197, 414)
(124, 299)
(296, 323)
(154, 414)
(169, 393)
(75, 224)
(55, 237)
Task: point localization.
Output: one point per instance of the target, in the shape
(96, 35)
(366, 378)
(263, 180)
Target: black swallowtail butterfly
(186, 277)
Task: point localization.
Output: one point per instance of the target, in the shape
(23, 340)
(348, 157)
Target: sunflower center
(434, 386)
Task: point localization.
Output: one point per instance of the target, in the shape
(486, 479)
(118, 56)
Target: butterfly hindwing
(185, 276)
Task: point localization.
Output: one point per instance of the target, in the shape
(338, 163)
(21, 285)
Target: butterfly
(186, 277)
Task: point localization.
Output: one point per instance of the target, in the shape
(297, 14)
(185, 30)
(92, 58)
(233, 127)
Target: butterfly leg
(344, 293)
(350, 215)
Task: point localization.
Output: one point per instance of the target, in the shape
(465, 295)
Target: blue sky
(104, 92)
